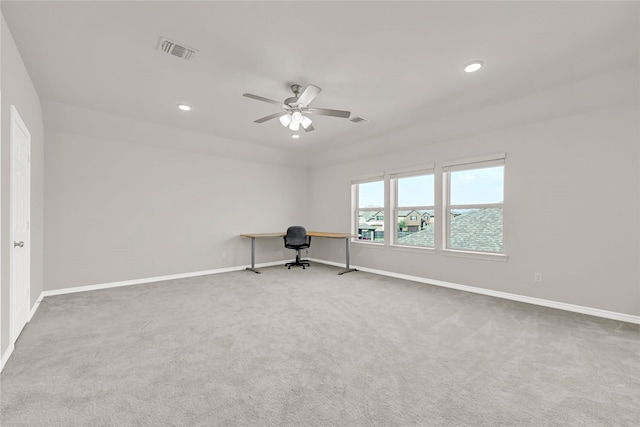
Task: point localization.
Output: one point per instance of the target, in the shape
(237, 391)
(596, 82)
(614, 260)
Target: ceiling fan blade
(269, 117)
(327, 112)
(310, 92)
(308, 128)
(260, 98)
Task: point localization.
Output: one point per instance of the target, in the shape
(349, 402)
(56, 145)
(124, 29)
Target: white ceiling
(399, 64)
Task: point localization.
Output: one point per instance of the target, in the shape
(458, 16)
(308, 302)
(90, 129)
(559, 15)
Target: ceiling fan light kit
(297, 106)
(285, 119)
(306, 122)
(296, 117)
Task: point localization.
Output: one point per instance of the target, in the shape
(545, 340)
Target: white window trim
(427, 169)
(491, 256)
(471, 161)
(355, 198)
(370, 177)
(368, 243)
(415, 249)
(480, 162)
(441, 192)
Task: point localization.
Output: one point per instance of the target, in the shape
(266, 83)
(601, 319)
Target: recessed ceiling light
(473, 66)
(295, 136)
(184, 107)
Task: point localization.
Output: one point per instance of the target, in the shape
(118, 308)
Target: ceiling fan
(296, 107)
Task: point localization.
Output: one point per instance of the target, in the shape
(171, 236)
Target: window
(368, 200)
(463, 216)
(414, 208)
(474, 194)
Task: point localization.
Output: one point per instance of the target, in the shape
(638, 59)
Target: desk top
(327, 234)
(262, 235)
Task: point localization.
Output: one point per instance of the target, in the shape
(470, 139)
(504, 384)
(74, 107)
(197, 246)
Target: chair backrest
(296, 235)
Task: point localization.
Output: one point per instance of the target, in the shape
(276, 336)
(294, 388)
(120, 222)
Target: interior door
(20, 215)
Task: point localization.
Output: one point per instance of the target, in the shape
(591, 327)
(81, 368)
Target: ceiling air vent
(358, 119)
(176, 49)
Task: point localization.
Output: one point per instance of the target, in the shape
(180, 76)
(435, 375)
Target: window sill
(414, 249)
(368, 244)
(474, 255)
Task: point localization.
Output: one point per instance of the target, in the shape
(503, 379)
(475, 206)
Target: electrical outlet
(306, 251)
(537, 277)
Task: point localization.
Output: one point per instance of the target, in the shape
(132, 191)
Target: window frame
(356, 209)
(462, 165)
(441, 208)
(394, 177)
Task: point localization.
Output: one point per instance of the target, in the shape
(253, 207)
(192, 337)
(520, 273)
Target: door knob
(19, 244)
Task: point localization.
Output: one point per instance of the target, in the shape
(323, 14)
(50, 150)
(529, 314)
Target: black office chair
(296, 238)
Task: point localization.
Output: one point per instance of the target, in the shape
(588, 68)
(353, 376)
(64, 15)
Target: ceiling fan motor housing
(295, 88)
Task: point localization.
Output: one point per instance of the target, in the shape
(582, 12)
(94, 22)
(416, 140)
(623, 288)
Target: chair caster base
(297, 264)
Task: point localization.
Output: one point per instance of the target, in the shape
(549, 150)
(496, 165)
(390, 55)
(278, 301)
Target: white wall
(118, 210)
(572, 210)
(17, 89)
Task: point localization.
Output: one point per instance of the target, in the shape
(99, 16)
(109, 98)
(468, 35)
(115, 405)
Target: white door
(20, 215)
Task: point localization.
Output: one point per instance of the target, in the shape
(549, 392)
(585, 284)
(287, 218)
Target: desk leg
(348, 254)
(253, 256)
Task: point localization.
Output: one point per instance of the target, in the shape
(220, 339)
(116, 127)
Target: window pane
(371, 225)
(477, 186)
(371, 194)
(416, 191)
(476, 229)
(418, 231)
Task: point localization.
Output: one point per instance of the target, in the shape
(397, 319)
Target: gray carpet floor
(311, 348)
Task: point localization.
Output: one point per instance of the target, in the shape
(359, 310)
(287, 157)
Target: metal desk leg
(347, 269)
(253, 256)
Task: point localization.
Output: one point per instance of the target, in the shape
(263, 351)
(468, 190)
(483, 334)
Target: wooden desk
(330, 235)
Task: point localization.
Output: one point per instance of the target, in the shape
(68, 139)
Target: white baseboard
(151, 280)
(35, 307)
(6, 355)
(64, 291)
(623, 317)
(498, 294)
(12, 346)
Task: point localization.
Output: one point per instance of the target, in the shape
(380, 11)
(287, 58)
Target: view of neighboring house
(375, 220)
(474, 229)
(367, 232)
(412, 221)
(371, 225)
